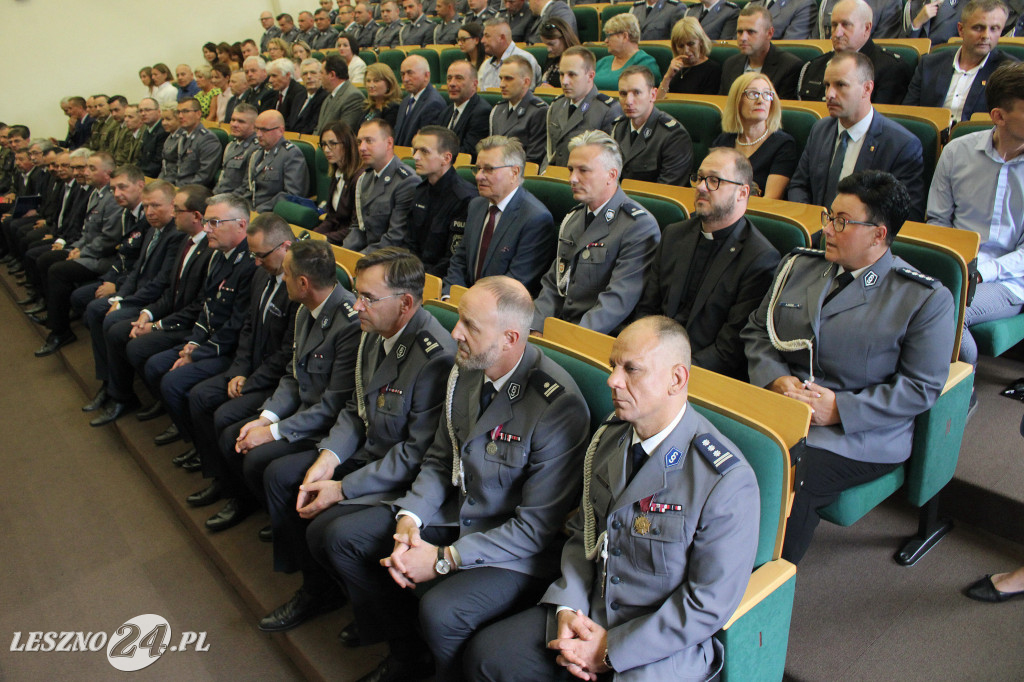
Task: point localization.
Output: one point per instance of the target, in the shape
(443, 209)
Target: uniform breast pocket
(507, 460)
(390, 418)
(234, 164)
(319, 364)
(663, 543)
(271, 174)
(590, 266)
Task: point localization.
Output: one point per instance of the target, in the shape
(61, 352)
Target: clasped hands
(824, 411)
(581, 645)
(412, 559)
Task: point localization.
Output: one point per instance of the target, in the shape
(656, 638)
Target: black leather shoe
(985, 590)
(301, 607)
(98, 400)
(169, 435)
(207, 495)
(55, 343)
(193, 463)
(9, 259)
(15, 269)
(178, 460)
(151, 412)
(39, 307)
(229, 516)
(38, 319)
(114, 411)
(349, 636)
(266, 534)
(31, 298)
(400, 670)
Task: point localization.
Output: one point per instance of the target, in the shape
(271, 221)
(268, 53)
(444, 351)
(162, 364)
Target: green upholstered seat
(394, 59)
(303, 216)
(664, 211)
(368, 56)
(539, 52)
(722, 52)
(588, 24)
(804, 53)
(437, 76)
(661, 53)
(702, 121)
(998, 336)
(492, 97)
(798, 124)
(907, 53)
(555, 194)
(611, 10)
(309, 153)
(447, 56)
(443, 313)
(343, 278)
(929, 137)
(466, 174)
(591, 379)
(318, 55)
(967, 127)
(784, 235)
(222, 136)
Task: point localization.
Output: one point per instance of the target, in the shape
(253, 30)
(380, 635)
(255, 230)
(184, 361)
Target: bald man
(278, 167)
(423, 105)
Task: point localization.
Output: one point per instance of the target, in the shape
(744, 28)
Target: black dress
(777, 155)
(703, 79)
(389, 114)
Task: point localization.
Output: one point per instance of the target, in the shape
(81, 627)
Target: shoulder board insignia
(809, 252)
(669, 122)
(715, 453)
(604, 99)
(671, 2)
(548, 387)
(402, 170)
(731, 4)
(288, 145)
(634, 210)
(350, 312)
(918, 277)
(639, 3)
(558, 99)
(619, 119)
(430, 346)
(203, 131)
(611, 419)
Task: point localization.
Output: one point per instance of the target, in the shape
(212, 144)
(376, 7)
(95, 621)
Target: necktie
(485, 240)
(486, 396)
(572, 110)
(633, 137)
(412, 103)
(587, 220)
(703, 13)
(841, 281)
(768, 5)
(836, 169)
(455, 117)
(268, 296)
(149, 248)
(637, 457)
(280, 101)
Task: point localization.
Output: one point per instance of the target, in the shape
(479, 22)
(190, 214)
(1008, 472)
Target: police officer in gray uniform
(418, 31)
(389, 34)
(447, 32)
(520, 19)
(377, 444)
(604, 244)
(383, 195)
(657, 18)
(580, 108)
(235, 166)
(655, 147)
(521, 114)
(169, 156)
(488, 504)
(278, 167)
(718, 20)
(861, 337)
(199, 150)
(661, 549)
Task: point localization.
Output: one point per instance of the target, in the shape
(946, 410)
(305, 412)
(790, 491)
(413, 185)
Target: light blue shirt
(975, 189)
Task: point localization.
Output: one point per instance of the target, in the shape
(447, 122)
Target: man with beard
(711, 271)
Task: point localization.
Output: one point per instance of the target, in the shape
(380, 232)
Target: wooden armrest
(765, 580)
(958, 371)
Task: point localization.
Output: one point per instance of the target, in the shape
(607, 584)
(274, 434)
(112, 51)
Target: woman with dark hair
(210, 53)
(345, 167)
(382, 93)
(146, 76)
(164, 91)
(223, 52)
(469, 42)
(236, 58)
(558, 37)
(220, 74)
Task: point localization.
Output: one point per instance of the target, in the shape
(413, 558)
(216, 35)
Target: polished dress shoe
(985, 590)
(178, 460)
(39, 307)
(349, 636)
(266, 534)
(193, 463)
(229, 516)
(15, 269)
(394, 669)
(207, 495)
(114, 411)
(97, 401)
(38, 319)
(151, 412)
(301, 607)
(55, 343)
(31, 298)
(168, 436)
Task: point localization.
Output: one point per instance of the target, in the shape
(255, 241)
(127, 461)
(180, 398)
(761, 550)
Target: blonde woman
(622, 36)
(691, 71)
(752, 125)
(382, 93)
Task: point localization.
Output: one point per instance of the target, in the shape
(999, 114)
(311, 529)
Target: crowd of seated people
(389, 452)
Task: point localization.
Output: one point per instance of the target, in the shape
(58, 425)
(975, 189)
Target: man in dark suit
(181, 368)
(344, 101)
(855, 137)
(375, 448)
(754, 33)
(521, 114)
(151, 275)
(287, 95)
(153, 135)
(237, 85)
(935, 20)
(309, 396)
(851, 32)
(79, 123)
(508, 231)
(711, 271)
(487, 505)
(468, 115)
(309, 110)
(791, 19)
(167, 321)
(956, 79)
(422, 106)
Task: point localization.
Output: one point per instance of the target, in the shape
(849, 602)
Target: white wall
(51, 49)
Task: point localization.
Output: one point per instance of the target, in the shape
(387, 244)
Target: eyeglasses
(839, 223)
(462, 39)
(329, 145)
(183, 210)
(216, 222)
(755, 95)
(368, 301)
(713, 182)
(262, 256)
(187, 111)
(488, 170)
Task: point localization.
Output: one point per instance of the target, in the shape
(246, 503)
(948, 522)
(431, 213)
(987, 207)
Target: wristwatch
(443, 566)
